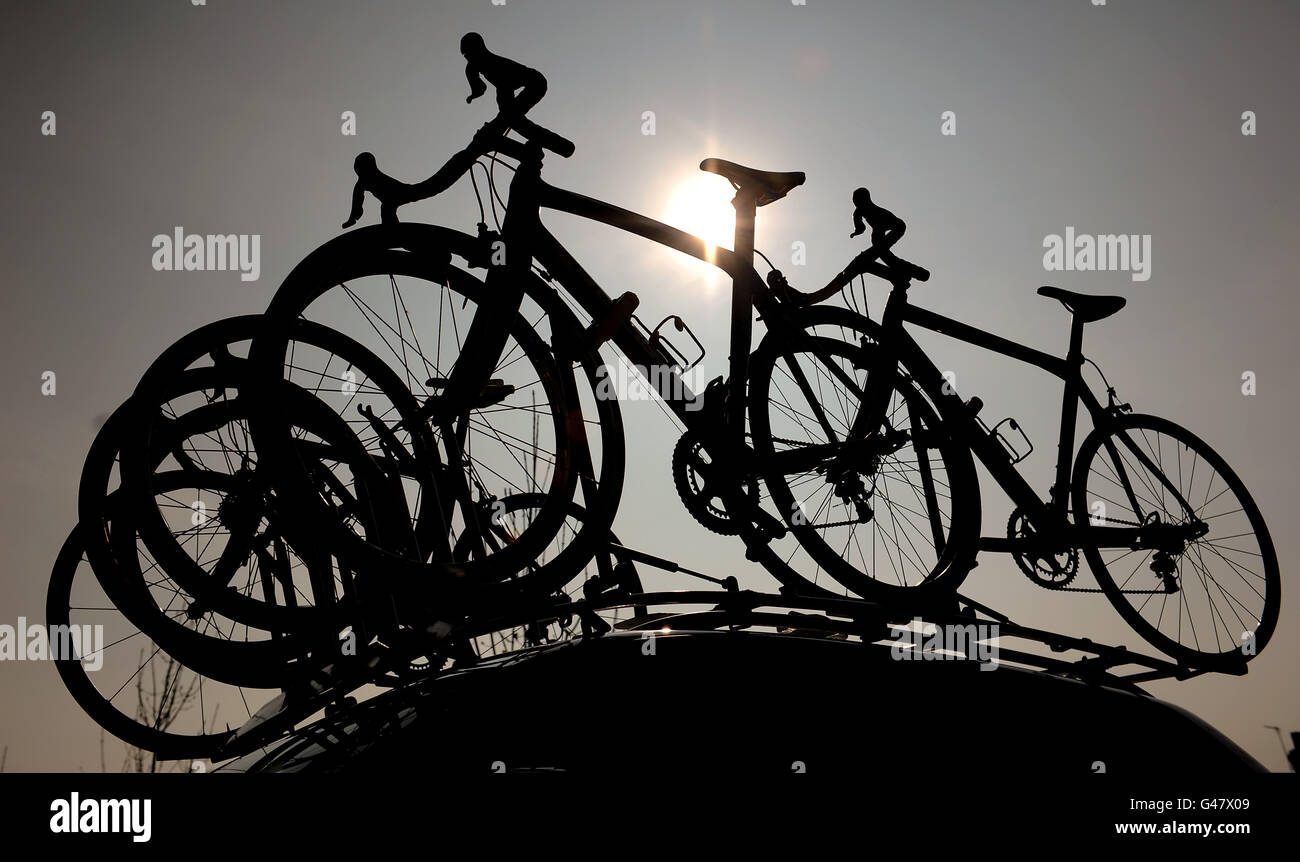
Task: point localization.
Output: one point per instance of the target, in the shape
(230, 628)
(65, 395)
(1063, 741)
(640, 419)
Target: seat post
(1069, 413)
(742, 312)
(1075, 351)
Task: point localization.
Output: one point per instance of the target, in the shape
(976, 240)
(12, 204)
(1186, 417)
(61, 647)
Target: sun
(701, 204)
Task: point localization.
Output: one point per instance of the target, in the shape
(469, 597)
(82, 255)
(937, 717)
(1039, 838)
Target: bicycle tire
(856, 338)
(96, 702)
(159, 433)
(1119, 592)
(426, 251)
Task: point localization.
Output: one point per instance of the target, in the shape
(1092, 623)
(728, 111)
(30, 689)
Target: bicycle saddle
(1084, 306)
(767, 186)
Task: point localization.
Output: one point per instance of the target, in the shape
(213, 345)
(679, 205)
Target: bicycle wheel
(214, 644)
(126, 681)
(218, 529)
(1211, 598)
(900, 519)
(414, 310)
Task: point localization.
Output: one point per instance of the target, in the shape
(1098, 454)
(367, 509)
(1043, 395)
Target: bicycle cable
(492, 196)
(851, 299)
(492, 185)
(482, 217)
(1109, 389)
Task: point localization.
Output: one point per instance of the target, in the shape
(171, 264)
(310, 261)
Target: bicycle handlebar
(856, 267)
(491, 137)
(508, 77)
(900, 275)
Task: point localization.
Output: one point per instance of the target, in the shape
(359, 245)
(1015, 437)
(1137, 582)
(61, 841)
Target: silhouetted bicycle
(1169, 530)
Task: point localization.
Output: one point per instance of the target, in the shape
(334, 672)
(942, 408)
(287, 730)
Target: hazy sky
(1122, 118)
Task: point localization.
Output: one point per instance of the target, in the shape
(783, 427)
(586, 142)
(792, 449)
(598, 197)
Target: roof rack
(733, 609)
(871, 621)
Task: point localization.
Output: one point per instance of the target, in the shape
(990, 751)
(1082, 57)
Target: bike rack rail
(733, 609)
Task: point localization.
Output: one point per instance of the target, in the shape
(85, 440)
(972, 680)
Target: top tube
(586, 207)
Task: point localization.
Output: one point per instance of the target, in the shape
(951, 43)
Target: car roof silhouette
(745, 701)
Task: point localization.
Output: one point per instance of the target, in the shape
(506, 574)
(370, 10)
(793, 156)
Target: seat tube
(1069, 414)
(742, 315)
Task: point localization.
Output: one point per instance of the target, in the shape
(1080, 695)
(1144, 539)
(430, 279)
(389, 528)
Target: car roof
(751, 701)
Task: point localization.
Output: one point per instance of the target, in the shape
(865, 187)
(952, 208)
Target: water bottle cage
(676, 358)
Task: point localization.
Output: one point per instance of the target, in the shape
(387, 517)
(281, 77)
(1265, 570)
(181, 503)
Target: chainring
(692, 475)
(1050, 571)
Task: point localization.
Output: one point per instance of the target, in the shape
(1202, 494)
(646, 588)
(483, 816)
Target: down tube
(596, 302)
(961, 425)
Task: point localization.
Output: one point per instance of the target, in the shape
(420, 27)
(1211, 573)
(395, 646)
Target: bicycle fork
(870, 436)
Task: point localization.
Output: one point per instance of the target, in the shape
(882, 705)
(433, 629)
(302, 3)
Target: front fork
(870, 429)
(508, 258)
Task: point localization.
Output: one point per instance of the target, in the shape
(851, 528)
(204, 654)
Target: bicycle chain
(1066, 589)
(832, 524)
(815, 526)
(1098, 589)
(835, 524)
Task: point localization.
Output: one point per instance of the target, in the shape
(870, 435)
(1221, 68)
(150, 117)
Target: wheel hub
(242, 509)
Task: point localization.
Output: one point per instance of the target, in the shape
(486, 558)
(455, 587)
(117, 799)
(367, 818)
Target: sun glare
(701, 204)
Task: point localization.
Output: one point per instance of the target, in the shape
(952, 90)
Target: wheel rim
(195, 423)
(894, 553)
(203, 709)
(1221, 590)
(498, 437)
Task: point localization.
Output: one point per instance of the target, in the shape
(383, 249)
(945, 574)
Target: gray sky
(1123, 118)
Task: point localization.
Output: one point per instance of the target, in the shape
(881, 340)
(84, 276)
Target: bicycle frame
(748, 292)
(1050, 516)
(526, 240)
